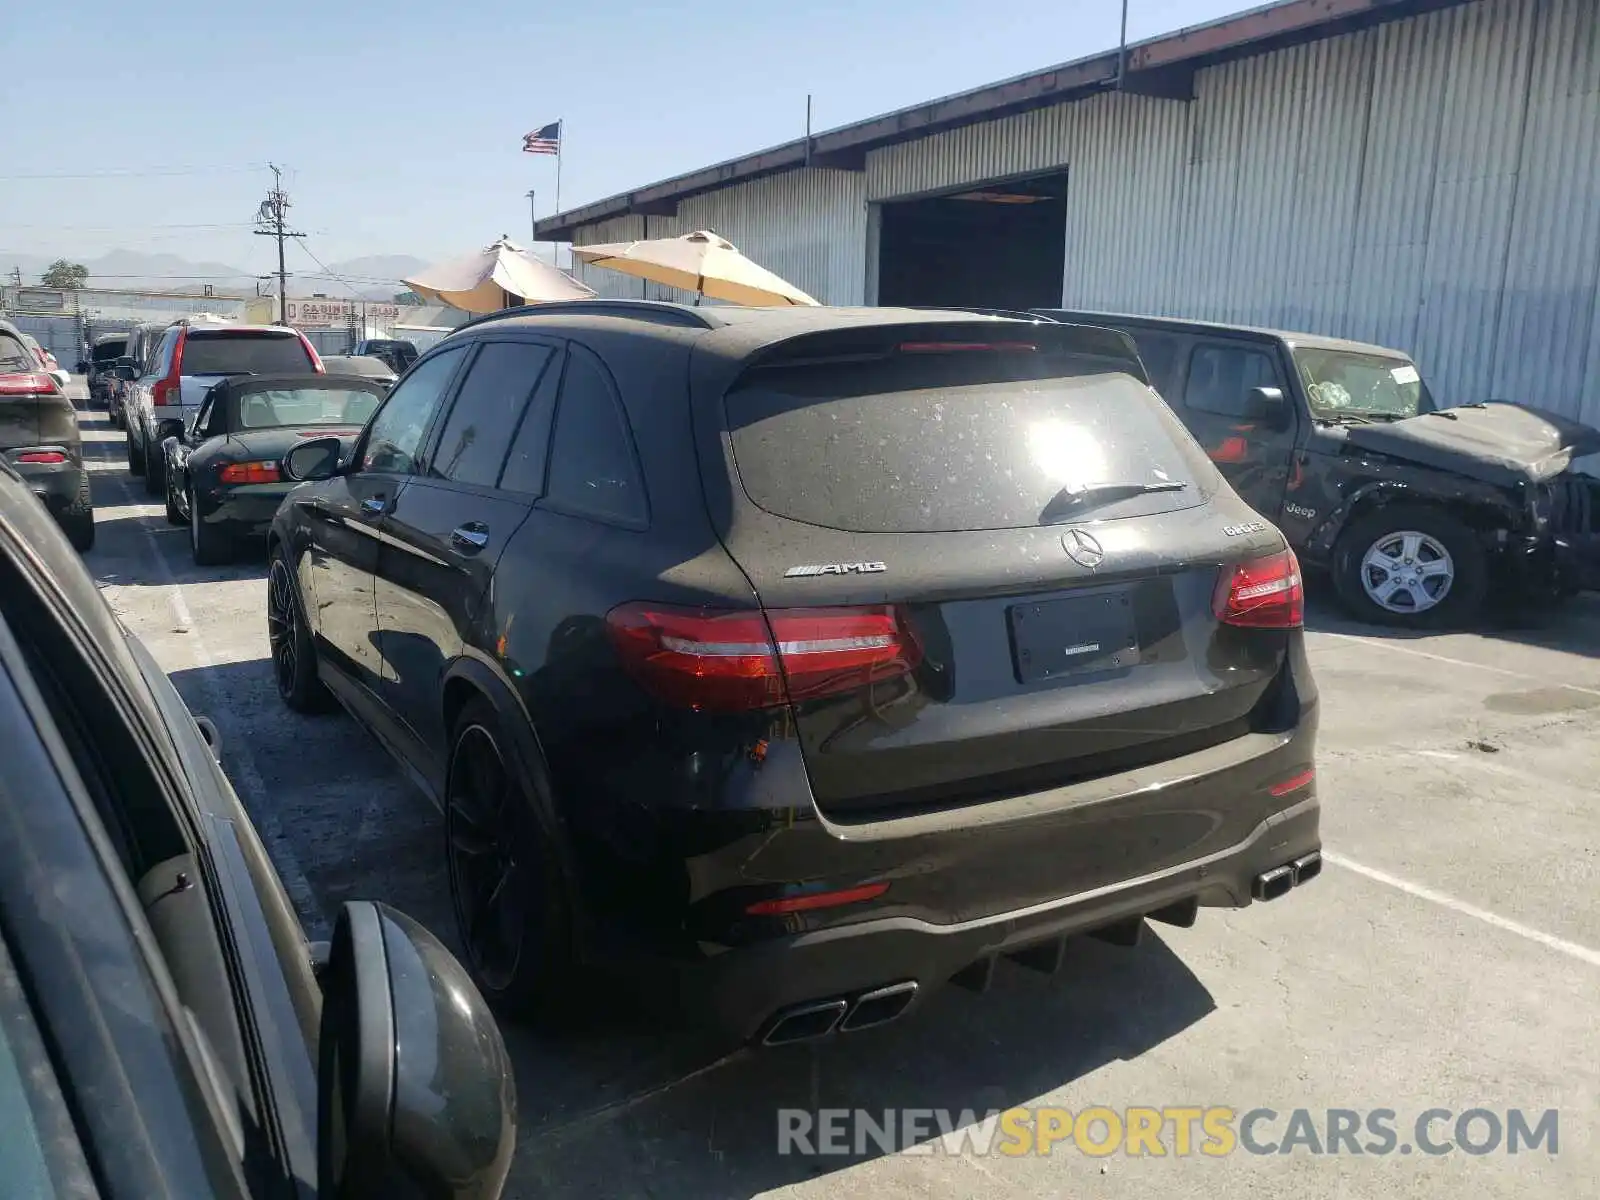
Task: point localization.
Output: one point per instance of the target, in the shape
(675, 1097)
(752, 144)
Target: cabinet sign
(339, 312)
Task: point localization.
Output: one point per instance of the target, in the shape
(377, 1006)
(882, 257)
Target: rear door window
(238, 353)
(916, 442)
(593, 469)
(489, 405)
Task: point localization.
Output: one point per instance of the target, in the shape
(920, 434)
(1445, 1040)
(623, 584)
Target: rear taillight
(27, 383)
(41, 456)
(264, 471)
(1264, 593)
(734, 661)
(169, 388)
(317, 364)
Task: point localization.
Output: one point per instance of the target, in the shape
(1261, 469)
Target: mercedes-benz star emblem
(1082, 549)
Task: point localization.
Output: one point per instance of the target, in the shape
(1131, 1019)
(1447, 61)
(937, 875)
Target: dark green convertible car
(223, 476)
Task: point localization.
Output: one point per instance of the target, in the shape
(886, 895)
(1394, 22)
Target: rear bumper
(61, 486)
(743, 991)
(244, 512)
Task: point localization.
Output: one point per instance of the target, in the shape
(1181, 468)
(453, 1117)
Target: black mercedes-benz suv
(815, 655)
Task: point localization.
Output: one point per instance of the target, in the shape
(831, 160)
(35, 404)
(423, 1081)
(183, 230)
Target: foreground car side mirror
(415, 1092)
(312, 461)
(1265, 404)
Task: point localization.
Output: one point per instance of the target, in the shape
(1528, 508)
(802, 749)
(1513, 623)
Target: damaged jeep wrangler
(1417, 512)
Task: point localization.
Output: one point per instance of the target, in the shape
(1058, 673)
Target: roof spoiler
(873, 342)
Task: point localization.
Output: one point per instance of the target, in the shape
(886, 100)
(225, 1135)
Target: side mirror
(126, 361)
(1265, 404)
(415, 1092)
(63, 378)
(82, 367)
(125, 371)
(312, 461)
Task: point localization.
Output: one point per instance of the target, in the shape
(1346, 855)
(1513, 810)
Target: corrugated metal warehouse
(1423, 174)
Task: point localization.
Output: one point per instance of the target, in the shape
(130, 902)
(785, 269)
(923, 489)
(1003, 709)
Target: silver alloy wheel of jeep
(1407, 572)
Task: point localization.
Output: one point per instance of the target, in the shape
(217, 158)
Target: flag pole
(561, 139)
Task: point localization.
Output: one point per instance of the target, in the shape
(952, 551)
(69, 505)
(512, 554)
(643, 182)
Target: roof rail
(681, 314)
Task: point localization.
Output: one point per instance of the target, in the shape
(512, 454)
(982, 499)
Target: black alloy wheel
(505, 880)
(294, 658)
(489, 883)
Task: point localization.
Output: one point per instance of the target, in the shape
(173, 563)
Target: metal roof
(1163, 66)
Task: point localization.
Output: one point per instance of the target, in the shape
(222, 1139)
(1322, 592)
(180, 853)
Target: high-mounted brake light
(41, 456)
(168, 390)
(961, 347)
(1264, 593)
(261, 471)
(27, 383)
(740, 660)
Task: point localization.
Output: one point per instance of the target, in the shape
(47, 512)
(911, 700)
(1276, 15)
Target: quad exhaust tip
(879, 1007)
(808, 1022)
(805, 1022)
(1269, 885)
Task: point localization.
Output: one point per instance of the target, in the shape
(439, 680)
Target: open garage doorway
(1000, 245)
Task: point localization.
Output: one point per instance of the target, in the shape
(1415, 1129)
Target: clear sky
(400, 123)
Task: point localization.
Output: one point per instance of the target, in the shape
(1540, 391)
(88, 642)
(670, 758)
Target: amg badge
(859, 568)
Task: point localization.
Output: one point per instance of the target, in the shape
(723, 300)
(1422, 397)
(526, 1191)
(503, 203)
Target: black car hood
(1497, 443)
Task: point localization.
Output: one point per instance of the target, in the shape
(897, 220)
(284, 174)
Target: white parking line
(244, 773)
(1421, 892)
(1395, 647)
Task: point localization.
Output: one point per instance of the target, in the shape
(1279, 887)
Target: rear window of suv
(237, 352)
(920, 442)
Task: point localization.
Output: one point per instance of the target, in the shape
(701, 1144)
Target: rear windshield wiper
(1071, 498)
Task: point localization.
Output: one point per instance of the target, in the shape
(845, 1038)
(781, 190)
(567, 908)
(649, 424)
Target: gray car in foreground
(166, 1029)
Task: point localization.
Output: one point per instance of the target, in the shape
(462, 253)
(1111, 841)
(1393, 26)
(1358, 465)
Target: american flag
(544, 141)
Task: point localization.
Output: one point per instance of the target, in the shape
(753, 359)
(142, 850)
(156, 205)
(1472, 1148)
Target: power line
(329, 271)
(139, 172)
(120, 228)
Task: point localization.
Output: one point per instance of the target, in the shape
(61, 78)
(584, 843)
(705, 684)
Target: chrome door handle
(373, 506)
(471, 536)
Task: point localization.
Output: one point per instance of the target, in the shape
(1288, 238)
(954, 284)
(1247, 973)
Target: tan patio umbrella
(696, 262)
(498, 276)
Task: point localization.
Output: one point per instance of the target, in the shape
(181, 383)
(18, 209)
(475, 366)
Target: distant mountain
(372, 277)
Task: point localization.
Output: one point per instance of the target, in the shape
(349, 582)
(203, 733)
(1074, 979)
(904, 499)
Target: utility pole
(16, 274)
(273, 217)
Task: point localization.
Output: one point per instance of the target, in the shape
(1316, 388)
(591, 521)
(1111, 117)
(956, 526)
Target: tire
(135, 456)
(174, 514)
(1421, 539)
(521, 953)
(78, 521)
(155, 471)
(294, 653)
(79, 528)
(209, 546)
